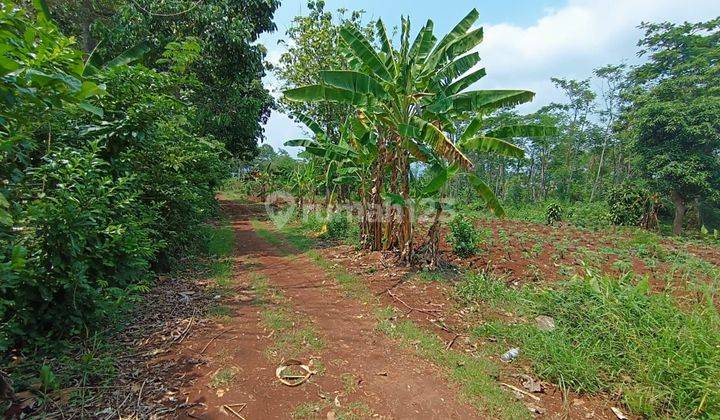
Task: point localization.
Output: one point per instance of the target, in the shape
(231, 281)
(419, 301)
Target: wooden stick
(213, 339)
(452, 342)
(425, 311)
(514, 388)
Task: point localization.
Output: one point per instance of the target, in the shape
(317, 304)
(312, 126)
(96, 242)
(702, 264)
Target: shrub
(593, 216)
(627, 204)
(553, 214)
(105, 178)
(338, 227)
(88, 248)
(463, 236)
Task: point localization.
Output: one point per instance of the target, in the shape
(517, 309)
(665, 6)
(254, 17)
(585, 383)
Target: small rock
(545, 323)
(535, 409)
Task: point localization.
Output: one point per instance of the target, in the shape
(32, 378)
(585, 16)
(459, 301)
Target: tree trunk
(679, 212)
(391, 238)
(600, 165)
(406, 231)
(434, 239)
(374, 215)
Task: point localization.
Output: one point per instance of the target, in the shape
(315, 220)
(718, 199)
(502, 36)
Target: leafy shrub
(553, 214)
(338, 227)
(627, 204)
(104, 179)
(593, 216)
(89, 249)
(463, 236)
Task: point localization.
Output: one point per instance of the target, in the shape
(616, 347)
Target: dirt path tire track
(411, 389)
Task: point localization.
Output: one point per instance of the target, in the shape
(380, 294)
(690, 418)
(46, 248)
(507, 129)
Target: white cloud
(573, 40)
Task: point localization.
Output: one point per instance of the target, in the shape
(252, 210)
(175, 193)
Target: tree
(231, 100)
(674, 111)
(313, 44)
(613, 79)
(409, 97)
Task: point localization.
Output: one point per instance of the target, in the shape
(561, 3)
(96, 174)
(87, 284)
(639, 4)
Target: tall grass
(614, 336)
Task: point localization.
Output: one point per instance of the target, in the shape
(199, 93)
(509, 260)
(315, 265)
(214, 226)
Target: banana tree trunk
(434, 239)
(374, 213)
(406, 231)
(391, 237)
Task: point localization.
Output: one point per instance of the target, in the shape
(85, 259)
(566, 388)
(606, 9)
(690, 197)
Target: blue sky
(526, 41)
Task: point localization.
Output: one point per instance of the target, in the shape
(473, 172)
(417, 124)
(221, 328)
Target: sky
(526, 41)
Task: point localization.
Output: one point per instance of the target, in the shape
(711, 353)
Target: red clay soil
(179, 350)
(391, 381)
(431, 305)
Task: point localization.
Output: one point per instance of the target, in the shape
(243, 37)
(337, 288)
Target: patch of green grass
(219, 240)
(435, 276)
(614, 336)
(482, 286)
(224, 377)
(219, 311)
(276, 320)
(352, 411)
(291, 337)
(349, 381)
(475, 376)
(308, 410)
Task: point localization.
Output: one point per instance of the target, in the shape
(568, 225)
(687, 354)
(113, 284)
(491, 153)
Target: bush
(553, 214)
(105, 179)
(589, 215)
(338, 227)
(627, 204)
(88, 248)
(463, 236)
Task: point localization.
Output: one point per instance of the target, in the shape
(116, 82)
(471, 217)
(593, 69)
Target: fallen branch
(425, 311)
(229, 407)
(213, 339)
(181, 337)
(516, 389)
(450, 344)
(391, 287)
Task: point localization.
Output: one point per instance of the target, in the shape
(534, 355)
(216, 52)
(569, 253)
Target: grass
(475, 376)
(223, 377)
(614, 336)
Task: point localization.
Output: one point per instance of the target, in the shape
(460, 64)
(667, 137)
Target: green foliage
(338, 227)
(675, 111)
(230, 100)
(553, 214)
(314, 44)
(627, 204)
(614, 336)
(594, 215)
(464, 236)
(105, 179)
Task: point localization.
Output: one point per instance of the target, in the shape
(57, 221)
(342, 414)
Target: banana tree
(410, 95)
(346, 163)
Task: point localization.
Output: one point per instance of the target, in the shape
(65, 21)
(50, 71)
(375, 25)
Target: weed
(224, 377)
(463, 236)
(349, 381)
(219, 311)
(614, 336)
(308, 410)
(553, 214)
